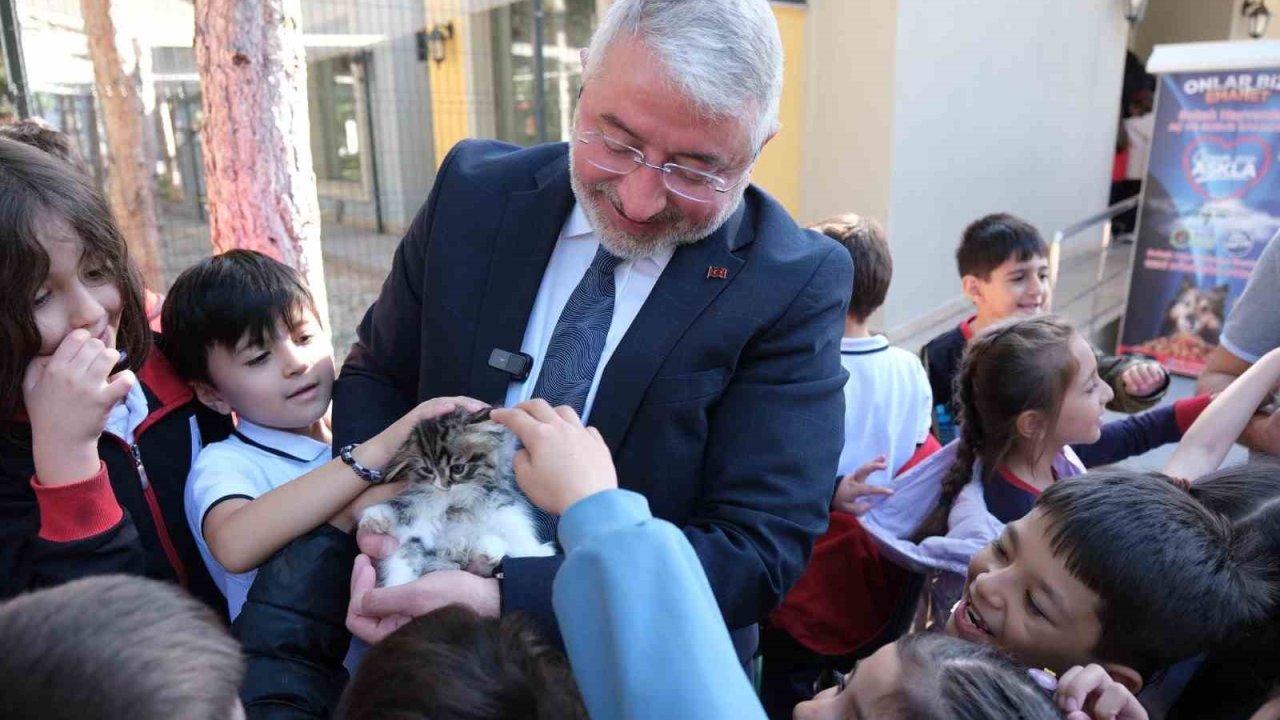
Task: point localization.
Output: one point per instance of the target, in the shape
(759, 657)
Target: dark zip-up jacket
(127, 518)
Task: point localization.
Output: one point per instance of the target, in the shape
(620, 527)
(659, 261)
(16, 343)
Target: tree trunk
(118, 68)
(256, 134)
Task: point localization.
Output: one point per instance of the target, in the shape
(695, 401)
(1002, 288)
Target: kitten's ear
(480, 422)
(403, 464)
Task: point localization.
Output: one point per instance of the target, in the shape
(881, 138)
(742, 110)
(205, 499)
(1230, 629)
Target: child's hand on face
(854, 486)
(1090, 693)
(562, 462)
(68, 396)
(1143, 379)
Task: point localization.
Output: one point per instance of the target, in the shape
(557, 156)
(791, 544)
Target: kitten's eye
(457, 468)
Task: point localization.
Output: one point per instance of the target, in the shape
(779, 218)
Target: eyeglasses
(829, 677)
(619, 158)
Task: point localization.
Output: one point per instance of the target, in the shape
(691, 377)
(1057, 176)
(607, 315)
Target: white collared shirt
(576, 247)
(887, 404)
(251, 462)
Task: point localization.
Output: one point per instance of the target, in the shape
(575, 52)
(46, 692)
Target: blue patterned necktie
(570, 363)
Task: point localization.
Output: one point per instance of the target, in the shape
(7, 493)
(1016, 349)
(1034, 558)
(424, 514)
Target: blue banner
(1210, 204)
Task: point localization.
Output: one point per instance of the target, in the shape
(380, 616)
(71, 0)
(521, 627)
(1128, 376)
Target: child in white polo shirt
(246, 335)
(819, 628)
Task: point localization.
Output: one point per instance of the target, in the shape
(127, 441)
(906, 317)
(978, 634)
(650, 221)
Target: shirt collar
(292, 445)
(863, 345)
(577, 225)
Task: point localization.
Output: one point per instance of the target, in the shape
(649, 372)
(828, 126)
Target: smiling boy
(1119, 569)
(1004, 271)
(247, 336)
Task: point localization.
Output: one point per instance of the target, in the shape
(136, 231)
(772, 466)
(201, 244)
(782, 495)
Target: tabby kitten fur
(461, 509)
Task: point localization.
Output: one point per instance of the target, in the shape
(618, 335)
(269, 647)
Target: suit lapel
(687, 286)
(531, 225)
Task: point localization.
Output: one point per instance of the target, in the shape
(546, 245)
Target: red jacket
(128, 518)
(847, 594)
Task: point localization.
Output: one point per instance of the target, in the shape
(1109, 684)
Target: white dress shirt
(575, 248)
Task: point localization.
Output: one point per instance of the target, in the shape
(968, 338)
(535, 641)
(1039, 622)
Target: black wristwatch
(370, 476)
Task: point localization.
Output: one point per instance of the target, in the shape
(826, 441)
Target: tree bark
(118, 68)
(256, 136)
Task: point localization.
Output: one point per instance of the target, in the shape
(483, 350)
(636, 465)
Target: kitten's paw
(378, 519)
(487, 553)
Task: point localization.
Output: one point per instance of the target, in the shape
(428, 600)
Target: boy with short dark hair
(246, 334)
(453, 664)
(887, 416)
(1119, 569)
(116, 646)
(1004, 271)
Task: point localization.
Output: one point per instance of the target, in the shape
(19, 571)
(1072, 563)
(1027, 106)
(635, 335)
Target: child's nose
(84, 310)
(293, 360)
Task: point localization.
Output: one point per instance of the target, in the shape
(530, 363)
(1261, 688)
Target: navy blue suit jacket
(722, 404)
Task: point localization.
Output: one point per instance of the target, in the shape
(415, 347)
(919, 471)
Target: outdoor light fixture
(440, 33)
(1134, 10)
(1258, 17)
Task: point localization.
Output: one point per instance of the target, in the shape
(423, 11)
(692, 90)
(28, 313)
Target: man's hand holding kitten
(562, 462)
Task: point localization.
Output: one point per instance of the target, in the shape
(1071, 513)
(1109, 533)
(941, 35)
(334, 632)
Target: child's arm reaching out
(242, 533)
(1207, 441)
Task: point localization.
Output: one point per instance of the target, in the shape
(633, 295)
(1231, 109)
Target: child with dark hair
(1237, 678)
(41, 135)
(886, 422)
(115, 647)
(1004, 270)
(246, 335)
(452, 664)
(98, 431)
(1119, 569)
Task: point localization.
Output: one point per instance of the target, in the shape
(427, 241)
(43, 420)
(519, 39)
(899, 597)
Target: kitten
(461, 509)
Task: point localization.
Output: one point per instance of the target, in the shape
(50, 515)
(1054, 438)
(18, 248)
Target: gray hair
(723, 55)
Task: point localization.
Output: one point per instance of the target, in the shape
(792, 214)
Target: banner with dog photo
(1211, 203)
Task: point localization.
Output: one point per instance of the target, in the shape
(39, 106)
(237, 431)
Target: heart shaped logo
(1219, 169)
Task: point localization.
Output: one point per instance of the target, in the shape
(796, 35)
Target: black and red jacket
(128, 518)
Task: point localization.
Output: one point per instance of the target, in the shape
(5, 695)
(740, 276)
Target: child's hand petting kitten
(562, 462)
(378, 450)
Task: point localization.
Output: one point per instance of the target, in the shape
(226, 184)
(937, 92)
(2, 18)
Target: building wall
(847, 123)
(999, 105)
(449, 108)
(1179, 21)
(778, 169)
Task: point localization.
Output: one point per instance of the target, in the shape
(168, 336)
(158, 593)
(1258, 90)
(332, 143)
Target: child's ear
(1126, 676)
(1031, 424)
(972, 287)
(209, 396)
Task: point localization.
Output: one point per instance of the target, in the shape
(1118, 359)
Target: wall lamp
(432, 43)
(1134, 10)
(1257, 15)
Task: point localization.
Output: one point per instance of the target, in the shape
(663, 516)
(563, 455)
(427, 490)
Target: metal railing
(1055, 251)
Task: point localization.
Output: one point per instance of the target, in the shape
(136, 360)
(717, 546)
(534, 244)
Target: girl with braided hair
(1031, 410)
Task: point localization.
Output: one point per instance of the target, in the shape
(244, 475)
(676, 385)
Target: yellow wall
(778, 170)
(448, 84)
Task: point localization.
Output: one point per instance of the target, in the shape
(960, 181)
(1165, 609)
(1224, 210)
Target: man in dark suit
(681, 312)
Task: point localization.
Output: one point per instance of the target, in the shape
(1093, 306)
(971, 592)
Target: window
(335, 90)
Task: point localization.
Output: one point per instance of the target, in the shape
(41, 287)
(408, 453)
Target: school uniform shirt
(253, 461)
(886, 405)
